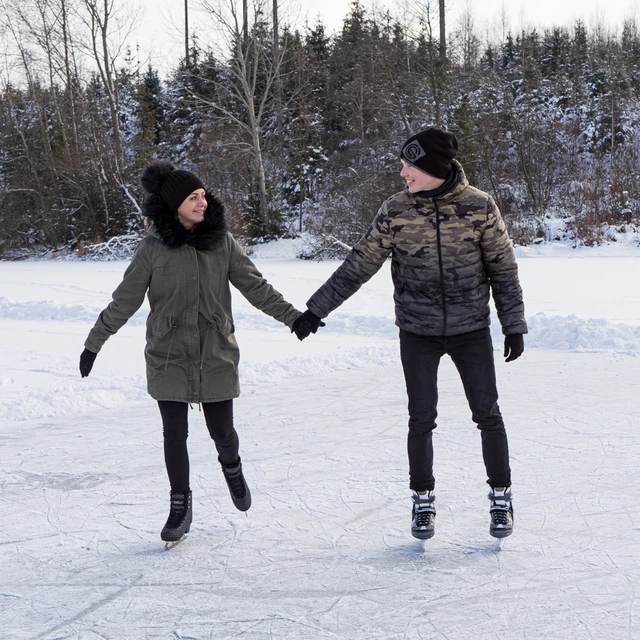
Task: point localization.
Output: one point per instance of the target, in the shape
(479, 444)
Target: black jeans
(472, 354)
(219, 419)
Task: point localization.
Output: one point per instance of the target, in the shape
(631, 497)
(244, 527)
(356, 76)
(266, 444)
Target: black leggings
(219, 419)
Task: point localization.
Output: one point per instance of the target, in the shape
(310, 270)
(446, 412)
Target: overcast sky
(160, 32)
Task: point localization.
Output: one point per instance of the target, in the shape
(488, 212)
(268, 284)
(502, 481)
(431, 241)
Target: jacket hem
(193, 400)
(434, 333)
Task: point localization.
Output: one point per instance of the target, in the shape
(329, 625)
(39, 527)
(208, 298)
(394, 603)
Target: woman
(185, 265)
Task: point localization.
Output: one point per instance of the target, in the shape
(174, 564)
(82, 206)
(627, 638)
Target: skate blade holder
(174, 543)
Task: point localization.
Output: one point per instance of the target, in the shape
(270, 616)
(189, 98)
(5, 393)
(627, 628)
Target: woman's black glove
(513, 346)
(305, 324)
(87, 358)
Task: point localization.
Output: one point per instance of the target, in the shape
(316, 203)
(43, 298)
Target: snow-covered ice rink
(326, 550)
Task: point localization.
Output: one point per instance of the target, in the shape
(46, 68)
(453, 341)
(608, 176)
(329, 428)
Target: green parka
(191, 352)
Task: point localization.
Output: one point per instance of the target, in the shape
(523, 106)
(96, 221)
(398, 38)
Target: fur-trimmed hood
(205, 236)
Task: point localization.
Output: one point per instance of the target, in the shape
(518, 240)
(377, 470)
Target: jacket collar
(167, 228)
(461, 184)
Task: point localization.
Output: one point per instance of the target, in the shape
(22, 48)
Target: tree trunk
(277, 87)
(259, 164)
(102, 55)
(443, 32)
(186, 32)
(245, 22)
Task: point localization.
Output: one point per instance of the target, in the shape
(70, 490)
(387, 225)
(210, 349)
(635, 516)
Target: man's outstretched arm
(363, 261)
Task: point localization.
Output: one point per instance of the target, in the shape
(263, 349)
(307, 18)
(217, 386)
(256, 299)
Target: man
(449, 248)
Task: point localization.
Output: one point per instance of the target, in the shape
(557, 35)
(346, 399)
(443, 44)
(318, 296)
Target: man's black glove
(87, 358)
(305, 324)
(513, 346)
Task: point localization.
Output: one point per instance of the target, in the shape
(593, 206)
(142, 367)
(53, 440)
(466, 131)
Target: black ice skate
(180, 517)
(238, 488)
(501, 512)
(423, 515)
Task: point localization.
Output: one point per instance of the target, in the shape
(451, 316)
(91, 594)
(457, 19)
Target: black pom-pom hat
(172, 185)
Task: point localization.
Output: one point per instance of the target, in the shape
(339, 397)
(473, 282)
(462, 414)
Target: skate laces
(500, 516)
(422, 517)
(178, 511)
(423, 508)
(500, 505)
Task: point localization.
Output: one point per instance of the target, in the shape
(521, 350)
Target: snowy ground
(325, 551)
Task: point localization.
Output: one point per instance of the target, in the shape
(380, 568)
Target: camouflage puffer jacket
(446, 252)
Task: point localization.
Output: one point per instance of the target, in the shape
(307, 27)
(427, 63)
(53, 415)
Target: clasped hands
(306, 323)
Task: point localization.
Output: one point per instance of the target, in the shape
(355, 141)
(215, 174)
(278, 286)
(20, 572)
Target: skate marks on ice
(60, 481)
(326, 549)
(496, 545)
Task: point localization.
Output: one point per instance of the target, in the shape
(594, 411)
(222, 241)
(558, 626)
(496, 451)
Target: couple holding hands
(449, 251)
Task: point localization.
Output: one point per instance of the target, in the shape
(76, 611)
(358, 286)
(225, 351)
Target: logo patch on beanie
(413, 151)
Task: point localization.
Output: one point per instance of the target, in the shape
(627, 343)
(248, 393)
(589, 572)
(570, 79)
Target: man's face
(419, 180)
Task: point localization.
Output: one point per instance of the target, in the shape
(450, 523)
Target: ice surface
(325, 551)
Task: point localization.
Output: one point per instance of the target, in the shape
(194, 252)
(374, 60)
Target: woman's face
(191, 211)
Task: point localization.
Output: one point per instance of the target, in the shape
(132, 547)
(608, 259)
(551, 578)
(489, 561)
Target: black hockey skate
(423, 515)
(501, 512)
(180, 517)
(238, 488)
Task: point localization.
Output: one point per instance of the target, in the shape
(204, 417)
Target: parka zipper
(442, 294)
(173, 333)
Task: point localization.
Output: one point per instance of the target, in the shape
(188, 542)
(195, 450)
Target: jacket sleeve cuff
(92, 346)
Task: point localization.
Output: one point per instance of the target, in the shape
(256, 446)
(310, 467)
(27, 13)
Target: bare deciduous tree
(434, 65)
(255, 70)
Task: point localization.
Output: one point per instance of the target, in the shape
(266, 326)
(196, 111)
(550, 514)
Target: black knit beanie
(431, 151)
(172, 185)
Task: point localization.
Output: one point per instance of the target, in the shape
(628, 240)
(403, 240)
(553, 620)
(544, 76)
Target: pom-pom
(155, 174)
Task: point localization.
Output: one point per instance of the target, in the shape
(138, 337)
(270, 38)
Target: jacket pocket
(160, 327)
(165, 271)
(225, 324)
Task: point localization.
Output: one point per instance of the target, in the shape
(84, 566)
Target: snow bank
(358, 358)
(52, 391)
(61, 399)
(576, 302)
(627, 246)
(48, 310)
(564, 333)
(577, 334)
(284, 249)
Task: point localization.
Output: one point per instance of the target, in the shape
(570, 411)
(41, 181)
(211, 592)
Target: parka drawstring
(173, 333)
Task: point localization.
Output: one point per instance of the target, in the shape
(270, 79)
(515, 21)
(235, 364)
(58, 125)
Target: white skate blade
(500, 543)
(174, 543)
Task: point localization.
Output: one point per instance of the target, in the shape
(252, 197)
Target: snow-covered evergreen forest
(299, 129)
